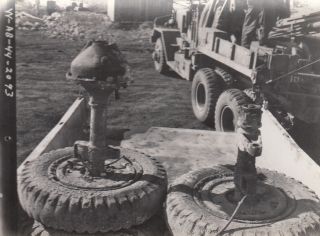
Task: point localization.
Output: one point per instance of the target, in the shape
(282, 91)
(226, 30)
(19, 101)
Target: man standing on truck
(260, 17)
(228, 16)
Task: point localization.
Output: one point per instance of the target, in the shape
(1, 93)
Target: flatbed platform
(183, 150)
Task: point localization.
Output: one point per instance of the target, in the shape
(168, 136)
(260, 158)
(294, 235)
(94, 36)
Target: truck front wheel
(159, 58)
(228, 109)
(205, 91)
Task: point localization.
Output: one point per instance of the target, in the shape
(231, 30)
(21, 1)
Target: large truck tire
(198, 204)
(154, 227)
(159, 58)
(76, 202)
(228, 109)
(205, 91)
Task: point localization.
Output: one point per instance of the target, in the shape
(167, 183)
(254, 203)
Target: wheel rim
(215, 194)
(227, 120)
(201, 96)
(119, 173)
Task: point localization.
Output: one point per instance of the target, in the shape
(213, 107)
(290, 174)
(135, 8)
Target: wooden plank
(224, 48)
(226, 61)
(243, 56)
(282, 153)
(183, 150)
(65, 133)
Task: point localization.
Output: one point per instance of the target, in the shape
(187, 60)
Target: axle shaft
(249, 147)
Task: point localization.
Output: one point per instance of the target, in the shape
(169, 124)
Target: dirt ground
(44, 94)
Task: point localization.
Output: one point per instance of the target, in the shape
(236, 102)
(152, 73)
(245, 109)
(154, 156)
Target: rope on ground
(233, 215)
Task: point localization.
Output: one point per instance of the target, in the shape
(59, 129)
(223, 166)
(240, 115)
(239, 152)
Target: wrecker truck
(284, 75)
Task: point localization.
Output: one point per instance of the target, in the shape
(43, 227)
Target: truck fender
(169, 40)
(155, 35)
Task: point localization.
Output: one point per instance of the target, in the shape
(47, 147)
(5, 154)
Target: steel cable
(292, 72)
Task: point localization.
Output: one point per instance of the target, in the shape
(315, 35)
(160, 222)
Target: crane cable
(292, 72)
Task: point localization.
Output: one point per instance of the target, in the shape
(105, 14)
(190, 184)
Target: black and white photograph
(160, 118)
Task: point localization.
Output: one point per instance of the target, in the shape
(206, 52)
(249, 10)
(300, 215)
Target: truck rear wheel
(228, 109)
(205, 91)
(160, 62)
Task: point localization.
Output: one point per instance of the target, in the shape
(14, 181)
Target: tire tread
(215, 88)
(184, 220)
(234, 98)
(62, 207)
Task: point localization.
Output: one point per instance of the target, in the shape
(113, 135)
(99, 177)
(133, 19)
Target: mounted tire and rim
(228, 109)
(55, 190)
(205, 91)
(201, 203)
(159, 58)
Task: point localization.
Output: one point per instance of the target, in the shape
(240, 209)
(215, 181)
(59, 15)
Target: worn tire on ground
(187, 217)
(160, 64)
(155, 227)
(228, 109)
(90, 210)
(205, 91)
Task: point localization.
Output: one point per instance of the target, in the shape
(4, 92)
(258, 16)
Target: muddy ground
(44, 94)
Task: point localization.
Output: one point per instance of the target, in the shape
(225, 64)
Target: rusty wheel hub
(216, 194)
(118, 172)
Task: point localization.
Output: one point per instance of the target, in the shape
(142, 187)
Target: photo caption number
(9, 53)
(9, 90)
